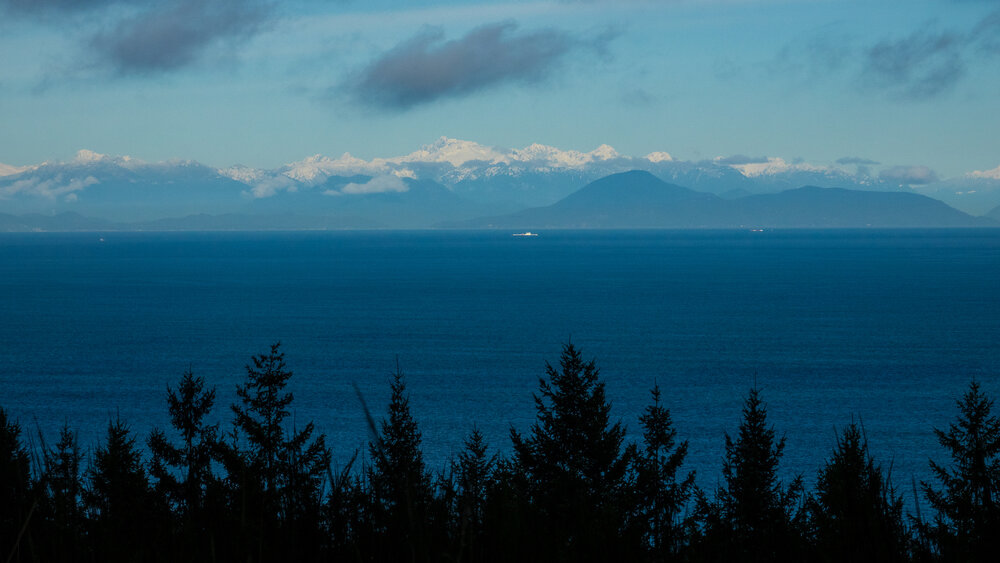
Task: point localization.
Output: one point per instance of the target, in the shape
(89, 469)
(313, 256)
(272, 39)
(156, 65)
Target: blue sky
(263, 83)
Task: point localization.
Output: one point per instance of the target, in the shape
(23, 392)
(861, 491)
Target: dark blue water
(886, 326)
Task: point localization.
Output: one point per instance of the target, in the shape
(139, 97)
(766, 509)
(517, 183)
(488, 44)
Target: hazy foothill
(261, 487)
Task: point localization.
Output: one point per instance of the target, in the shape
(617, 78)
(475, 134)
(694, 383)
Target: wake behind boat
(526, 234)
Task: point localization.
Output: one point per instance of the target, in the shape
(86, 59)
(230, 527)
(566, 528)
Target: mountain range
(638, 199)
(453, 182)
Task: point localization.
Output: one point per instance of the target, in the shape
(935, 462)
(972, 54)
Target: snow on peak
(453, 151)
(318, 166)
(556, 158)
(659, 156)
(463, 156)
(84, 156)
(774, 166)
(603, 152)
(993, 174)
(242, 174)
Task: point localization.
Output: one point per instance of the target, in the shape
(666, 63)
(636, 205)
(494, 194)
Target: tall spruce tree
(966, 526)
(474, 472)
(400, 483)
(661, 494)
(118, 499)
(754, 517)
(574, 466)
(63, 490)
(856, 514)
(16, 488)
(182, 473)
(275, 473)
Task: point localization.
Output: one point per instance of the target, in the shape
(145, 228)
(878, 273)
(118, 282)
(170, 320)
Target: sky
(263, 83)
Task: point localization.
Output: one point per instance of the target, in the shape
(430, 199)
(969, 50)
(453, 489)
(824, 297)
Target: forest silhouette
(572, 487)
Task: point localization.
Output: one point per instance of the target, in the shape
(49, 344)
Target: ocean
(883, 327)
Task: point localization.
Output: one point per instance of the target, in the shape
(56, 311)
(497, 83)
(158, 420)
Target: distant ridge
(637, 199)
(627, 200)
(67, 221)
(994, 214)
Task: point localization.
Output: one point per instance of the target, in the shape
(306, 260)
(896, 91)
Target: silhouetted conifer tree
(182, 473)
(754, 517)
(400, 483)
(16, 491)
(856, 514)
(275, 474)
(575, 466)
(63, 489)
(118, 500)
(966, 526)
(661, 498)
(473, 472)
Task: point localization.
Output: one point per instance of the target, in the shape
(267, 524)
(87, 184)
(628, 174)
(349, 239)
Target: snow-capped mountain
(477, 180)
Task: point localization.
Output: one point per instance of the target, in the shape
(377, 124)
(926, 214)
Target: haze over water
(888, 326)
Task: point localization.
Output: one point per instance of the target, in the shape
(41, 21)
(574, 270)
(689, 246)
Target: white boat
(526, 234)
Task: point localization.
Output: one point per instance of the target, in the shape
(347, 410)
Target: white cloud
(271, 185)
(8, 170)
(993, 174)
(49, 189)
(909, 175)
(378, 184)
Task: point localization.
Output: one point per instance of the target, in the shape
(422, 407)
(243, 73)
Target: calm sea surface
(884, 326)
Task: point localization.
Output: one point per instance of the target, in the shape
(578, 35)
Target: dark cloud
(909, 175)
(922, 65)
(857, 161)
(426, 68)
(986, 35)
(739, 160)
(52, 7)
(177, 34)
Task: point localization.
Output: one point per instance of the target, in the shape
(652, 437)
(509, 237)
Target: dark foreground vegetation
(572, 489)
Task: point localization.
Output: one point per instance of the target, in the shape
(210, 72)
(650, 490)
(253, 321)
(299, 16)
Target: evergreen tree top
(573, 436)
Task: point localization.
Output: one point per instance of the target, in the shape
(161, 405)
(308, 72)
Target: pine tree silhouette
(400, 483)
(660, 497)
(966, 526)
(474, 471)
(118, 499)
(574, 465)
(62, 500)
(856, 514)
(182, 474)
(754, 517)
(276, 477)
(16, 494)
